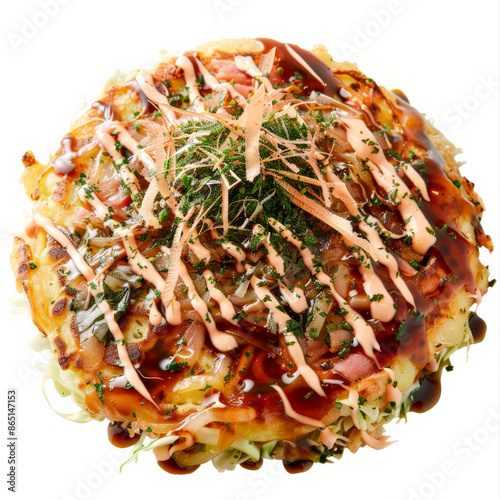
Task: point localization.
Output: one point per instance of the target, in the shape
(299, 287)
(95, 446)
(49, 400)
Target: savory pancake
(250, 251)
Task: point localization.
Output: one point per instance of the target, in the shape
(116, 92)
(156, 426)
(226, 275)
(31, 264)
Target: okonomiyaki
(250, 252)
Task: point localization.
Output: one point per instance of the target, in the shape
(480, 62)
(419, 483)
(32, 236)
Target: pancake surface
(250, 251)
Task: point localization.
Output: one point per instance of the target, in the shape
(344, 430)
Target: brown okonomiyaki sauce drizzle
(446, 204)
(452, 250)
(429, 392)
(261, 366)
(172, 467)
(478, 328)
(298, 466)
(120, 437)
(63, 164)
(106, 110)
(252, 465)
(290, 66)
(413, 343)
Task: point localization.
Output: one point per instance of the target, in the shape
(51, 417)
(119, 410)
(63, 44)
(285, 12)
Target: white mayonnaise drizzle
(108, 142)
(366, 147)
(222, 341)
(288, 378)
(393, 393)
(362, 330)
(146, 210)
(197, 247)
(377, 444)
(417, 181)
(234, 251)
(247, 65)
(155, 317)
(226, 307)
(190, 76)
(109, 315)
(303, 63)
(328, 438)
(209, 402)
(385, 258)
(214, 84)
(138, 263)
(296, 299)
(146, 83)
(381, 303)
(249, 384)
(274, 259)
(292, 344)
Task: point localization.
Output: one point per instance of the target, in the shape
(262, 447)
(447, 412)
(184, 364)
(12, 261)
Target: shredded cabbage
(229, 459)
(151, 446)
(267, 449)
(211, 437)
(369, 416)
(66, 384)
(240, 451)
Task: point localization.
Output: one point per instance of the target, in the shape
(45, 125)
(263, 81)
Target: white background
(444, 55)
